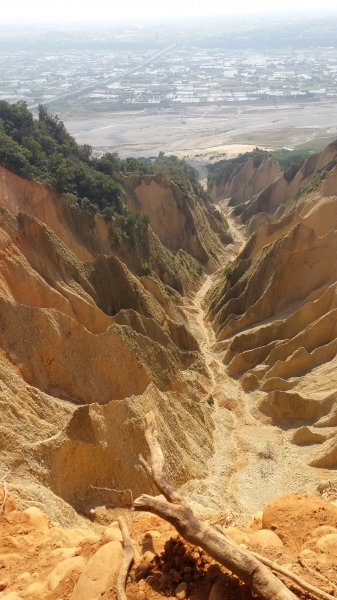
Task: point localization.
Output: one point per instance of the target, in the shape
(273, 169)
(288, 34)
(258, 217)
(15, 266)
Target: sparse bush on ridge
(43, 150)
(289, 161)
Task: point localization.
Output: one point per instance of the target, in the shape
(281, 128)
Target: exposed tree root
(128, 557)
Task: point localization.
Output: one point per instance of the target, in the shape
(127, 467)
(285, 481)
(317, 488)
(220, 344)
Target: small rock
(99, 573)
(307, 553)
(73, 537)
(38, 589)
(138, 557)
(3, 585)
(112, 534)
(64, 570)
(255, 521)
(9, 557)
(265, 539)
(181, 591)
(24, 576)
(141, 571)
(328, 543)
(148, 556)
(323, 530)
(36, 519)
(236, 535)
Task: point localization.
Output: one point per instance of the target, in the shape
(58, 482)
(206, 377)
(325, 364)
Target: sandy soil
(208, 131)
(253, 461)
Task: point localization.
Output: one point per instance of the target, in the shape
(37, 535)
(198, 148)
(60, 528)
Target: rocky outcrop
(82, 324)
(275, 318)
(272, 199)
(99, 448)
(259, 192)
(89, 235)
(180, 220)
(248, 180)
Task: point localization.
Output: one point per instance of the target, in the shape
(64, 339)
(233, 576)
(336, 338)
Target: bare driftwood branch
(128, 557)
(318, 575)
(5, 491)
(3, 504)
(295, 578)
(155, 468)
(292, 576)
(257, 576)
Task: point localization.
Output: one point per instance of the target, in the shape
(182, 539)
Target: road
(98, 82)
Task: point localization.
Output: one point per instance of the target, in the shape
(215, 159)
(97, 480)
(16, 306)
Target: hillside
(274, 318)
(163, 301)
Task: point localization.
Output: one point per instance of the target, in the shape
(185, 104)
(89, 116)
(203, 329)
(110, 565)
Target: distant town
(216, 79)
(137, 66)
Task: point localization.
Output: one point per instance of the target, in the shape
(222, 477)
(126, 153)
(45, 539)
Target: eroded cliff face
(274, 312)
(180, 220)
(248, 181)
(259, 190)
(272, 200)
(81, 324)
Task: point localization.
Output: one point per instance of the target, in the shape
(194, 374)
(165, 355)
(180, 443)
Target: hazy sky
(108, 10)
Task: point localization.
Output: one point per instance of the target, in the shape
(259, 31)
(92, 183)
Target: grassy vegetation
(314, 183)
(288, 160)
(178, 171)
(223, 170)
(43, 150)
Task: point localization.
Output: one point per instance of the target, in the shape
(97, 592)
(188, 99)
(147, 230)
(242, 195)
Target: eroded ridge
(274, 314)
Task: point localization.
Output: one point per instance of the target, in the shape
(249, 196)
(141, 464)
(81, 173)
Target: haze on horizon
(104, 10)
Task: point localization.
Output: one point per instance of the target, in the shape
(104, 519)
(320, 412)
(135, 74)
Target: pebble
(36, 519)
(181, 591)
(328, 544)
(141, 571)
(265, 538)
(112, 534)
(236, 535)
(99, 573)
(64, 569)
(148, 556)
(38, 589)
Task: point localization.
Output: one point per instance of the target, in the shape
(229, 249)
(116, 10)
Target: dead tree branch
(155, 468)
(5, 496)
(5, 492)
(292, 576)
(318, 575)
(128, 557)
(257, 576)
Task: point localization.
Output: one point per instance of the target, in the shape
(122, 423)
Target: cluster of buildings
(181, 74)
